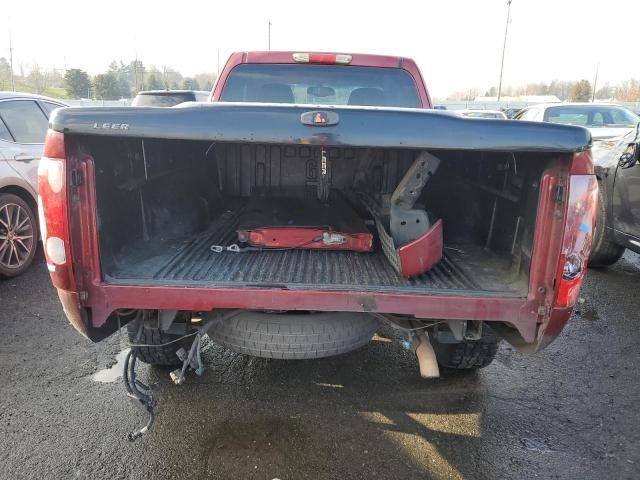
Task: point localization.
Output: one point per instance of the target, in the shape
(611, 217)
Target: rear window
(321, 84)
(162, 100)
(592, 116)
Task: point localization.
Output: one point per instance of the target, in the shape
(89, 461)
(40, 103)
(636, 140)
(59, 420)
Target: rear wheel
(160, 347)
(468, 354)
(605, 250)
(18, 235)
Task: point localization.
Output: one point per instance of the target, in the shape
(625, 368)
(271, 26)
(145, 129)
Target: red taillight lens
(53, 211)
(582, 204)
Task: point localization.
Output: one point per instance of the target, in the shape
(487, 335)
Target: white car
(604, 121)
(495, 114)
(23, 125)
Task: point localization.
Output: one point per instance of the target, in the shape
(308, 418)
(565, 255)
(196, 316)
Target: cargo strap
(234, 247)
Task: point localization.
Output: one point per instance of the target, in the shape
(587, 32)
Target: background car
(495, 114)
(169, 98)
(604, 121)
(512, 112)
(617, 166)
(23, 126)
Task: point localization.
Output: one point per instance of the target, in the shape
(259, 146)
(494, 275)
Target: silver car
(23, 126)
(605, 121)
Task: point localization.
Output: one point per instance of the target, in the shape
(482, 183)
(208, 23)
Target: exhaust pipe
(426, 355)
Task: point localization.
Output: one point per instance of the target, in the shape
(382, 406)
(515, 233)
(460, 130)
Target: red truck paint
(304, 237)
(538, 318)
(423, 253)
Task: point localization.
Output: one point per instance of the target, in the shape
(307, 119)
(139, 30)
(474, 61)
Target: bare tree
(37, 78)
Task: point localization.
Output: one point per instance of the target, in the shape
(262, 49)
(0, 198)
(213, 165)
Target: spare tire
(294, 335)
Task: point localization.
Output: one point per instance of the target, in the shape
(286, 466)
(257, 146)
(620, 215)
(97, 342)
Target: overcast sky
(457, 44)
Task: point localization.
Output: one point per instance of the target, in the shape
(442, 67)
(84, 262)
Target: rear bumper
(93, 317)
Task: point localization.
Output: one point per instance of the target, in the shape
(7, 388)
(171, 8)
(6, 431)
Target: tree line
(573, 91)
(120, 80)
(125, 80)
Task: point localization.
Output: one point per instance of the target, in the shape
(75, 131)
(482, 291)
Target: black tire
(468, 355)
(158, 354)
(294, 335)
(605, 251)
(23, 239)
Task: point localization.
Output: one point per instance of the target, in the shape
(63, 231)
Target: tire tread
(157, 355)
(605, 251)
(294, 336)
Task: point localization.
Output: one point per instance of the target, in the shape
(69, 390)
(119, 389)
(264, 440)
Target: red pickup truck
(315, 197)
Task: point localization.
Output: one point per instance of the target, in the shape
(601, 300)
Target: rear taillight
(325, 58)
(53, 210)
(582, 204)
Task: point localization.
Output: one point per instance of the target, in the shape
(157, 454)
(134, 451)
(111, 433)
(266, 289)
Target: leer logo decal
(111, 126)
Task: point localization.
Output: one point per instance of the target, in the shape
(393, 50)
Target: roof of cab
(358, 59)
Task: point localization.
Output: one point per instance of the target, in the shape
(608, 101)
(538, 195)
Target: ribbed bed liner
(195, 264)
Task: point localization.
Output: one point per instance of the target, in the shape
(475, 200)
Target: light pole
(504, 47)
(269, 42)
(595, 83)
(13, 83)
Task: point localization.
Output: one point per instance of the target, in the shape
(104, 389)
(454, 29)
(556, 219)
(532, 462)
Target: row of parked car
(24, 120)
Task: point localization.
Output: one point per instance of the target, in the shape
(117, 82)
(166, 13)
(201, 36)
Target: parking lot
(568, 412)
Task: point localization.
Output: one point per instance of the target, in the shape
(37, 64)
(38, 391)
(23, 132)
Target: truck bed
(189, 261)
(170, 183)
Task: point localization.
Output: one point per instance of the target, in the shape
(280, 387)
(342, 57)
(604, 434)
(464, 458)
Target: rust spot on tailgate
(368, 304)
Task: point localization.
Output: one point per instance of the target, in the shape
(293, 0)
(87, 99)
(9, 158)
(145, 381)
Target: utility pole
(269, 43)
(135, 75)
(504, 47)
(13, 83)
(595, 83)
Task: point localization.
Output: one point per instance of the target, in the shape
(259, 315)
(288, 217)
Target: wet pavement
(570, 412)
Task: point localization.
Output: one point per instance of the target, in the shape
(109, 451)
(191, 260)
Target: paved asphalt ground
(571, 412)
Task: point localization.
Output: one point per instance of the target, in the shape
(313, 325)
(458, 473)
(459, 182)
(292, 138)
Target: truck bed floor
(190, 262)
